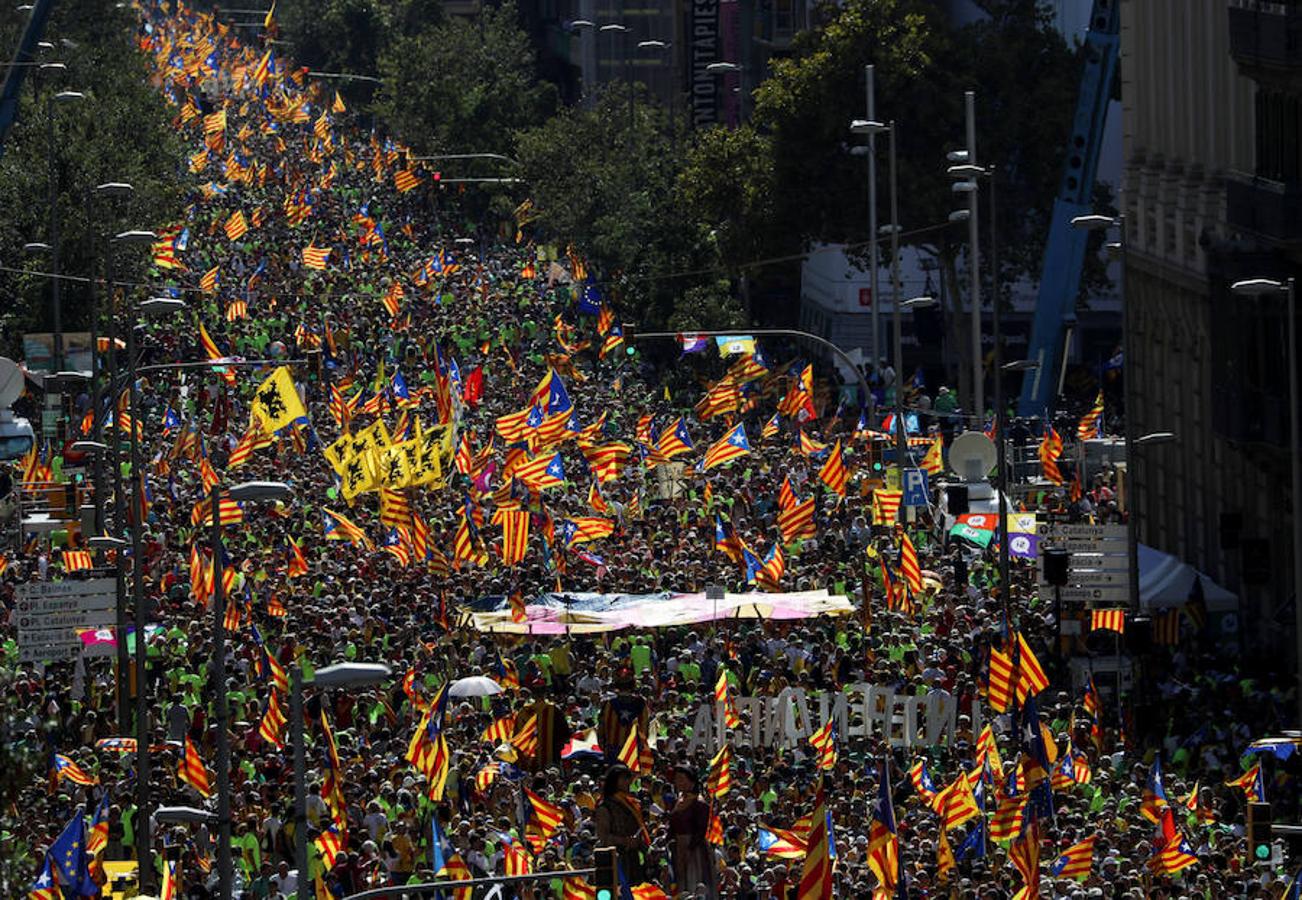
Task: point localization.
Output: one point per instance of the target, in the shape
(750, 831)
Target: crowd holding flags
(550, 444)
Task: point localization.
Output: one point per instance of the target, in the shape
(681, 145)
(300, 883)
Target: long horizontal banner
(583, 613)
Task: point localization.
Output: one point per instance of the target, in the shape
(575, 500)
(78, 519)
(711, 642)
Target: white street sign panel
(87, 619)
(1107, 594)
(48, 614)
(48, 654)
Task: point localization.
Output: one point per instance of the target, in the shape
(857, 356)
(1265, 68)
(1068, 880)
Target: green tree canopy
(119, 132)
(463, 84)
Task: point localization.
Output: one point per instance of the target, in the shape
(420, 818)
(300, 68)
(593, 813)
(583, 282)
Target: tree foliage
(605, 179)
(1025, 76)
(350, 36)
(463, 84)
(119, 132)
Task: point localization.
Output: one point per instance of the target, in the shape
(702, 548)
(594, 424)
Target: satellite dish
(972, 456)
(11, 382)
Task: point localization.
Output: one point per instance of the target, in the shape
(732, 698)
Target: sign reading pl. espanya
(48, 614)
(787, 719)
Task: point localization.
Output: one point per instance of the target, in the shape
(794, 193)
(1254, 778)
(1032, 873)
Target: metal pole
(901, 441)
(114, 442)
(872, 219)
(54, 239)
(300, 779)
(1295, 428)
(97, 426)
(143, 731)
(1001, 414)
(225, 873)
(1130, 392)
(974, 264)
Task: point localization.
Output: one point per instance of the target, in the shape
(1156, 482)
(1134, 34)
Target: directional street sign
(1099, 568)
(48, 614)
(1110, 594)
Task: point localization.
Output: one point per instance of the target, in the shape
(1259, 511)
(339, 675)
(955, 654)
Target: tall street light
(53, 199)
(870, 91)
(871, 128)
(724, 69)
(129, 239)
(968, 156)
(143, 731)
(341, 675)
(248, 491)
(613, 30)
(1288, 290)
(110, 189)
(1096, 222)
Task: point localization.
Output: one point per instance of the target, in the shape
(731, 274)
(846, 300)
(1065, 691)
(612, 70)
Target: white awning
(1166, 581)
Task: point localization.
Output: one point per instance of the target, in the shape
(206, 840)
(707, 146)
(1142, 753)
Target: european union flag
(590, 300)
(68, 857)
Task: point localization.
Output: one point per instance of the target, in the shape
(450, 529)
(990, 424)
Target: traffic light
(605, 879)
(1260, 833)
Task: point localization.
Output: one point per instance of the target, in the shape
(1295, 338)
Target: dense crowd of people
(594, 739)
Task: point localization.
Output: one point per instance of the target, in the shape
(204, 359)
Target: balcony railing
(1266, 33)
(1269, 209)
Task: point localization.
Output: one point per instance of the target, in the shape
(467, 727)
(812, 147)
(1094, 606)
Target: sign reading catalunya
(862, 710)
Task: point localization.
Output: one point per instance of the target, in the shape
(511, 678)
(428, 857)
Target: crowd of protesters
(504, 312)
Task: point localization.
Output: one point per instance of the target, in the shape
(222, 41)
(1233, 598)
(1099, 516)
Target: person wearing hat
(689, 821)
(619, 822)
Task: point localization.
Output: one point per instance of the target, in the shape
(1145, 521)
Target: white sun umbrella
(474, 686)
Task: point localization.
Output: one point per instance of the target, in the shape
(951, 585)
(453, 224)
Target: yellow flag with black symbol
(377, 433)
(276, 402)
(392, 471)
(358, 476)
(428, 468)
(337, 453)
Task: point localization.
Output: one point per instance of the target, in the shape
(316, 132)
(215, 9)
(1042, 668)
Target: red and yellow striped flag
(719, 780)
(515, 534)
(834, 474)
(316, 257)
(405, 180)
(1108, 619)
(191, 770)
(272, 726)
(236, 226)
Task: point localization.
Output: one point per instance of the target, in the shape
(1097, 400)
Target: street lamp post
(108, 189)
(55, 298)
(341, 675)
(138, 238)
(613, 30)
(1288, 289)
(725, 69)
(968, 156)
(871, 93)
(1095, 222)
(251, 490)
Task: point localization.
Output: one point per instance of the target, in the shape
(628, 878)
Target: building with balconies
(1211, 93)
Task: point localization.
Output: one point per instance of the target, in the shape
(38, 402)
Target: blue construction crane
(24, 59)
(1064, 255)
